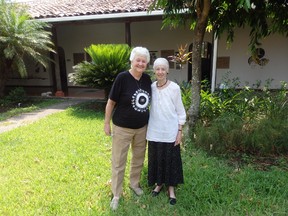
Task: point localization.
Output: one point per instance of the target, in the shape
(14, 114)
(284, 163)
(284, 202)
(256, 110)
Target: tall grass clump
(250, 121)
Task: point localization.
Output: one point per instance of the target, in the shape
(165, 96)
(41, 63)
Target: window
(80, 57)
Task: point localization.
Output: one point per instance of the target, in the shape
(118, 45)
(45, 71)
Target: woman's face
(160, 72)
(139, 63)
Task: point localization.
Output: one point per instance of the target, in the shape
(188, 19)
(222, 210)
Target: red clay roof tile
(66, 8)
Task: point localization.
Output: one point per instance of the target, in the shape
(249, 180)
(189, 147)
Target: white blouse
(166, 113)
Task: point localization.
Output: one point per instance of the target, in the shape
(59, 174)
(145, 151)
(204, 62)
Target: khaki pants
(122, 138)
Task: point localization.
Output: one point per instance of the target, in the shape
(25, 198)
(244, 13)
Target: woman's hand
(178, 138)
(108, 112)
(107, 129)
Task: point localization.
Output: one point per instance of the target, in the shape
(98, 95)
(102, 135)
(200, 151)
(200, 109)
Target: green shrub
(186, 94)
(15, 96)
(107, 61)
(275, 102)
(244, 120)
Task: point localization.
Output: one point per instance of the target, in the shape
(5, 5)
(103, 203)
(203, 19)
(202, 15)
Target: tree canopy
(262, 17)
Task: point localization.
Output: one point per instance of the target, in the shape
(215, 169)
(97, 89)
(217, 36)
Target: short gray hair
(161, 61)
(142, 51)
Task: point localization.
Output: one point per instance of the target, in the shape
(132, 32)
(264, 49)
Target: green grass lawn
(60, 165)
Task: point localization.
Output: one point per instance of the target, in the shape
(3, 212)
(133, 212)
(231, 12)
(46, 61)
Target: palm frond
(22, 36)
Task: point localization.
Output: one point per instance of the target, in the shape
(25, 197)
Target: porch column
(53, 63)
(128, 33)
(56, 76)
(214, 64)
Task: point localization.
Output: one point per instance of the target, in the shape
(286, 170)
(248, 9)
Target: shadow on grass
(89, 109)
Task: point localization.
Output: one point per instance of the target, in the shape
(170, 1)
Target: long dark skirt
(164, 164)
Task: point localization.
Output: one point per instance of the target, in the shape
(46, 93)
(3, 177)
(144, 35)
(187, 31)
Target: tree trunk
(3, 80)
(193, 111)
(199, 32)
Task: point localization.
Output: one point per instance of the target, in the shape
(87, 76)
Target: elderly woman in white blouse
(167, 116)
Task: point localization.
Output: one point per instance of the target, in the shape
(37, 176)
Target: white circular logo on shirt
(140, 100)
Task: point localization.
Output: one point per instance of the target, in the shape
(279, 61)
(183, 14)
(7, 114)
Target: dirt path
(27, 118)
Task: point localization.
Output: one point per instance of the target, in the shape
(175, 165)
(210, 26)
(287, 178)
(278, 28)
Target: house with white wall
(78, 24)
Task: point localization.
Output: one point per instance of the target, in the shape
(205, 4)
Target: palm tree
(21, 36)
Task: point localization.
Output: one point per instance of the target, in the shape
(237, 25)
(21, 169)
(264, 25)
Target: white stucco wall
(147, 34)
(37, 75)
(276, 50)
(74, 38)
(150, 35)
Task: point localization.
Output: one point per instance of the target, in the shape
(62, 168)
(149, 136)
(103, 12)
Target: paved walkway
(27, 118)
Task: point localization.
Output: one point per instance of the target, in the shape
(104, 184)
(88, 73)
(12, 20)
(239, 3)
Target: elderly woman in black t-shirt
(129, 101)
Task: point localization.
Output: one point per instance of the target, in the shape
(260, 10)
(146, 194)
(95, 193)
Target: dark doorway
(63, 72)
(205, 62)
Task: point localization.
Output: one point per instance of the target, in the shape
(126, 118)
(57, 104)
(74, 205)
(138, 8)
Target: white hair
(161, 61)
(140, 51)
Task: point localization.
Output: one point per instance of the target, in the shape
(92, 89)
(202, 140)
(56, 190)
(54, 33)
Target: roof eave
(102, 16)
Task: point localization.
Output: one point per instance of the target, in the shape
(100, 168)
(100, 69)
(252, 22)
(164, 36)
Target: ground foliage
(234, 158)
(247, 125)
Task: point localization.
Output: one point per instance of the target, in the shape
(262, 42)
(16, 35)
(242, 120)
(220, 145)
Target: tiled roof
(68, 8)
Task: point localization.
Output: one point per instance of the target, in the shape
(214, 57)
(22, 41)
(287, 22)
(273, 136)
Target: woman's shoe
(114, 203)
(156, 193)
(172, 201)
(138, 191)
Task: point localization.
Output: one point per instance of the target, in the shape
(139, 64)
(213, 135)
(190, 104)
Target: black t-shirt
(132, 99)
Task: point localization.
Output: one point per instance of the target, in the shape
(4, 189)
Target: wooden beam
(105, 21)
